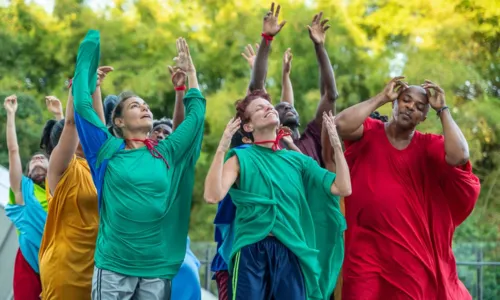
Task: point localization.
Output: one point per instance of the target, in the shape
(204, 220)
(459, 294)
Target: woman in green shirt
(278, 194)
(144, 187)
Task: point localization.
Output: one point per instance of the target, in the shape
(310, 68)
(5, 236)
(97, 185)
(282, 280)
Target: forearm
(328, 86)
(213, 183)
(59, 116)
(15, 167)
(455, 145)
(97, 104)
(286, 88)
(343, 179)
(178, 109)
(192, 80)
(350, 119)
(259, 71)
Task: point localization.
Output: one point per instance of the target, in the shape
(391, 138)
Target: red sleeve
(368, 125)
(459, 185)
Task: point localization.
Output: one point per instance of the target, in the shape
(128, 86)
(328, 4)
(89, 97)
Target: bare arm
(65, 149)
(102, 72)
(286, 82)
(15, 166)
(342, 184)
(270, 29)
(350, 121)
(455, 144)
(178, 80)
(55, 107)
(221, 176)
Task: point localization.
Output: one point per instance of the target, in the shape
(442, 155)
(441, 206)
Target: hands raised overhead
(250, 55)
(231, 128)
(271, 26)
(178, 76)
(183, 60)
(318, 28)
(435, 95)
(287, 61)
(102, 72)
(329, 123)
(54, 105)
(10, 104)
(394, 88)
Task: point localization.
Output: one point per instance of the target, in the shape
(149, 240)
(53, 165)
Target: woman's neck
(134, 139)
(265, 135)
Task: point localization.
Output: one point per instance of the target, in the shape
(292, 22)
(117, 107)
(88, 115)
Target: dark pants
(266, 270)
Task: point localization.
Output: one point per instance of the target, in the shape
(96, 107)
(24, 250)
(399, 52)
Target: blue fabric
(29, 220)
(266, 270)
(92, 138)
(223, 221)
(186, 284)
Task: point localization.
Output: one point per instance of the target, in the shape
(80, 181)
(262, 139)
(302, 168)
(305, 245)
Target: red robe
(401, 216)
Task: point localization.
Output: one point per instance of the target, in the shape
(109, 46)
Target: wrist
(221, 149)
(267, 37)
(180, 88)
(442, 110)
(382, 99)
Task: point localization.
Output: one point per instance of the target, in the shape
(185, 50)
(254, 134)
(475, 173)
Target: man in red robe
(410, 190)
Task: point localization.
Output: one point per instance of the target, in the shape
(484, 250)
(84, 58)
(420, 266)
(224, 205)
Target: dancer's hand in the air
(183, 60)
(435, 95)
(249, 54)
(231, 128)
(271, 26)
(102, 72)
(178, 76)
(329, 120)
(287, 61)
(395, 87)
(54, 105)
(318, 28)
(10, 104)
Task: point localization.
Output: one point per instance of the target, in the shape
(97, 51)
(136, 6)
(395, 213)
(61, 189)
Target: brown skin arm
(178, 79)
(259, 71)
(15, 167)
(328, 85)
(350, 121)
(455, 144)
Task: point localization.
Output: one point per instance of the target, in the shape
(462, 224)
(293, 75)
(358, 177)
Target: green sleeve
(314, 175)
(186, 140)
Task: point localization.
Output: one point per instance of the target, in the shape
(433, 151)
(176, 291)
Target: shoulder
(371, 124)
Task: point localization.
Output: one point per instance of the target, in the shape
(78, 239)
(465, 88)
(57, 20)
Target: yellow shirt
(67, 250)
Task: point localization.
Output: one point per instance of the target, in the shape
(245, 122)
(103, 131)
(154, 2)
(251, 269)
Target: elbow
(210, 199)
(458, 159)
(331, 96)
(13, 150)
(346, 192)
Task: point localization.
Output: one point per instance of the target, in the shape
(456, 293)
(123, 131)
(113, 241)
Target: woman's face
(37, 169)
(136, 116)
(262, 115)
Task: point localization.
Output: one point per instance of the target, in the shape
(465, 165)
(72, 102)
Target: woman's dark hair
(377, 116)
(109, 104)
(51, 135)
(118, 111)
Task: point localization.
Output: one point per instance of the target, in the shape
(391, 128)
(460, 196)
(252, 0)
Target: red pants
(222, 279)
(27, 284)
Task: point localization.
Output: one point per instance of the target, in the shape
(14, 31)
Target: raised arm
(328, 87)
(286, 82)
(350, 121)
(221, 176)
(270, 29)
(455, 144)
(102, 72)
(188, 136)
(55, 107)
(92, 131)
(15, 166)
(63, 153)
(342, 184)
(179, 82)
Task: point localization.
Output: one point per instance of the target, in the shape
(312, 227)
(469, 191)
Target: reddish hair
(242, 104)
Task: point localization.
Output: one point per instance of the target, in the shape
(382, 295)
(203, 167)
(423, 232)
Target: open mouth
(146, 117)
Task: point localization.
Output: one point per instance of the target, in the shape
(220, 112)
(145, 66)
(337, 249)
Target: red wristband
(180, 88)
(267, 37)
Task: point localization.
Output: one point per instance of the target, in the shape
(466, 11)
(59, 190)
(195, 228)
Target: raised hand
(288, 138)
(329, 121)
(102, 72)
(54, 105)
(10, 104)
(271, 26)
(178, 76)
(287, 61)
(395, 87)
(231, 128)
(249, 54)
(435, 95)
(183, 60)
(318, 28)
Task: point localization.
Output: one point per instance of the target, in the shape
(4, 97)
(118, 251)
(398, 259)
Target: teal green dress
(287, 194)
(144, 204)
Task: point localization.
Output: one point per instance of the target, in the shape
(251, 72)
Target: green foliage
(454, 43)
